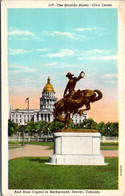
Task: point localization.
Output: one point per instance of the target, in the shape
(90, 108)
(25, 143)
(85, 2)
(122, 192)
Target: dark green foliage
(30, 127)
(11, 127)
(106, 129)
(88, 123)
(114, 129)
(42, 126)
(100, 127)
(55, 125)
(50, 127)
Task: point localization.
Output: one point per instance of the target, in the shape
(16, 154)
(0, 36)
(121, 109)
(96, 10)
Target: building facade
(45, 113)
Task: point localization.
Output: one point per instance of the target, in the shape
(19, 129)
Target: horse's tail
(99, 95)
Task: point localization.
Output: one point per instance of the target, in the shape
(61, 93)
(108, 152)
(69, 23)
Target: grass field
(104, 146)
(18, 144)
(33, 173)
(15, 145)
(109, 147)
(109, 144)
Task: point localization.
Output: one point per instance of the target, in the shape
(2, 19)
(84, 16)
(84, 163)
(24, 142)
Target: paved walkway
(30, 151)
(40, 151)
(109, 153)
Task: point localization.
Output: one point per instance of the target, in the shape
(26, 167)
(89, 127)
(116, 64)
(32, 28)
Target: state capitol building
(45, 113)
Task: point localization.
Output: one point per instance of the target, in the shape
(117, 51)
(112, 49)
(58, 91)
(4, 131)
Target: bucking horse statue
(74, 100)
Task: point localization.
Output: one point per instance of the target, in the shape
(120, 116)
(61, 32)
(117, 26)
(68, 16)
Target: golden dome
(48, 87)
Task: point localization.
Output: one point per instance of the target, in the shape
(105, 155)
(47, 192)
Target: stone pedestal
(77, 149)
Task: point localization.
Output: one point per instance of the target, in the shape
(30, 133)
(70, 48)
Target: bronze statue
(72, 83)
(74, 100)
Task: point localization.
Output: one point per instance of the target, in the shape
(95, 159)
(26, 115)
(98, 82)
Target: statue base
(77, 149)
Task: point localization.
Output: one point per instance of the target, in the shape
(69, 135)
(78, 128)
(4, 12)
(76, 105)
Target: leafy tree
(40, 126)
(30, 127)
(93, 125)
(51, 127)
(106, 129)
(89, 123)
(45, 128)
(71, 125)
(18, 128)
(99, 127)
(58, 125)
(11, 127)
(114, 129)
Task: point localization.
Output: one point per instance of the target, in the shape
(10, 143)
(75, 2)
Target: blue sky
(52, 42)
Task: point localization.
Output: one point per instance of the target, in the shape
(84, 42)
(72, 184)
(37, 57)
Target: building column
(51, 118)
(39, 117)
(46, 117)
(35, 118)
(43, 117)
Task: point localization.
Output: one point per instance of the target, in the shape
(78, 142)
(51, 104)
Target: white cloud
(62, 53)
(70, 35)
(43, 50)
(85, 29)
(66, 34)
(89, 29)
(96, 30)
(97, 54)
(23, 35)
(60, 67)
(111, 76)
(17, 51)
(19, 69)
(19, 32)
(15, 66)
(52, 64)
(112, 82)
(102, 58)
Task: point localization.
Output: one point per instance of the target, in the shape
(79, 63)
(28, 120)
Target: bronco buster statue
(76, 146)
(73, 100)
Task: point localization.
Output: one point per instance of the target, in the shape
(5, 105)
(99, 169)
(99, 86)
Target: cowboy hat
(69, 74)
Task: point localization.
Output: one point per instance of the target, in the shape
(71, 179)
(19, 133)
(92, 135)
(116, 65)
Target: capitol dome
(48, 87)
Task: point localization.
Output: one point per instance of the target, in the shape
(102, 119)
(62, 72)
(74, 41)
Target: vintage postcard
(63, 97)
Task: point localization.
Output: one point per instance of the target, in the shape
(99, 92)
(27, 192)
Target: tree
(30, 127)
(58, 125)
(99, 127)
(71, 125)
(93, 125)
(11, 127)
(114, 129)
(19, 128)
(89, 124)
(40, 126)
(45, 128)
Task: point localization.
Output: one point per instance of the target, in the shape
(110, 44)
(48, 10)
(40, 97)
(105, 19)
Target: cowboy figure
(72, 83)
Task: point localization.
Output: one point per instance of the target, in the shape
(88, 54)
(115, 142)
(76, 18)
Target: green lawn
(33, 173)
(109, 147)
(104, 146)
(16, 144)
(109, 144)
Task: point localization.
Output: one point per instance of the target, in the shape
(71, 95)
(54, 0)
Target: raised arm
(81, 75)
